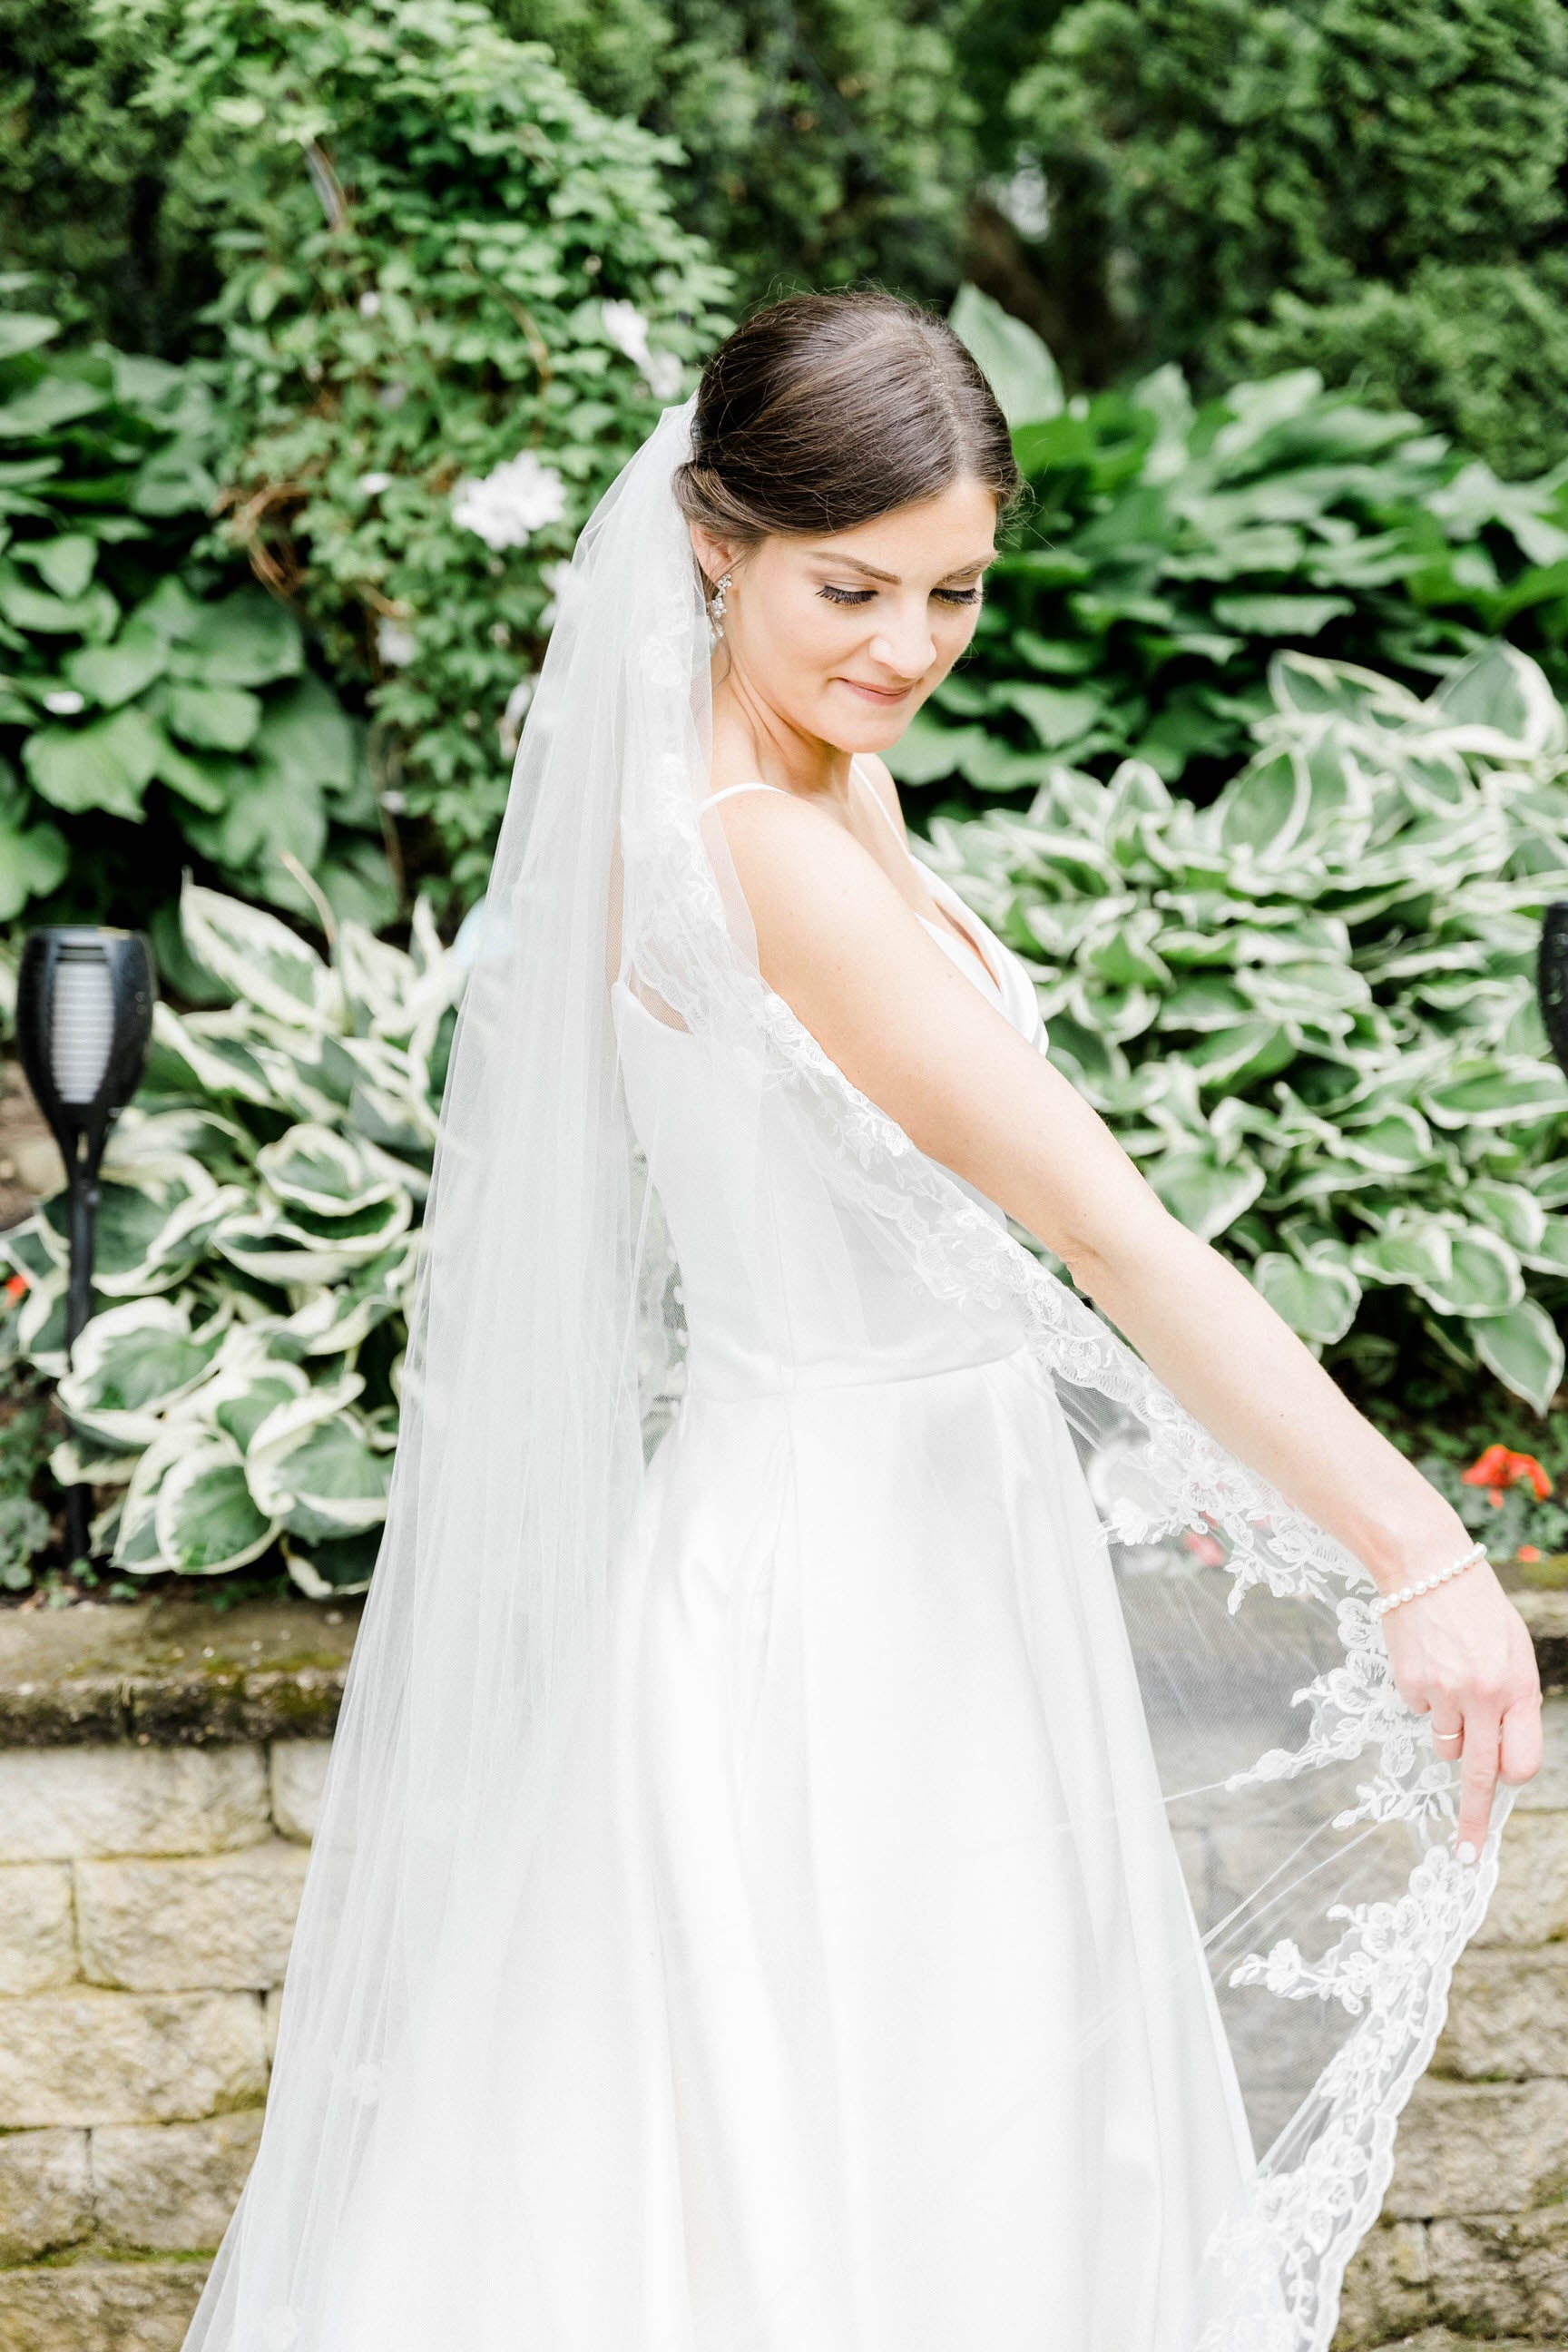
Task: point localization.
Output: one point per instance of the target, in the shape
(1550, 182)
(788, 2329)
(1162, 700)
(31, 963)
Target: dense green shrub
(1373, 187)
(819, 143)
(156, 707)
(1309, 1010)
(89, 193)
(1170, 550)
(454, 301)
(824, 143)
(237, 1385)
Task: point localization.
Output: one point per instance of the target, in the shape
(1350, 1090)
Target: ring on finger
(1446, 1734)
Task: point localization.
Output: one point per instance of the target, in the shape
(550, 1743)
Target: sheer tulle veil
(1313, 1820)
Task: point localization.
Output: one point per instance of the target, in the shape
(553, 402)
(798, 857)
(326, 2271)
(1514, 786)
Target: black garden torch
(1552, 980)
(84, 1013)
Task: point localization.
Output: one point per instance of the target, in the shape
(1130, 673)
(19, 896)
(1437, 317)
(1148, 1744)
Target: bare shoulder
(811, 885)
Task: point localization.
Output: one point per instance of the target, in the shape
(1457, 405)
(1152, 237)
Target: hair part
(826, 411)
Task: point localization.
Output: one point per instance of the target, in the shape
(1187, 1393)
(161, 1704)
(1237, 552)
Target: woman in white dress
(938, 1849)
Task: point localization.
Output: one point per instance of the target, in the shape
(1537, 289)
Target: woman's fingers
(1477, 1776)
(1522, 1752)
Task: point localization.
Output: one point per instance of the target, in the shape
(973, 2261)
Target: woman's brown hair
(826, 410)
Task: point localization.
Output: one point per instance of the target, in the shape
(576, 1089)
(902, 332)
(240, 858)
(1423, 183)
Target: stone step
(95, 2307)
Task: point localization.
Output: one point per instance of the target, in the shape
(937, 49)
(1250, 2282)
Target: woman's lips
(883, 694)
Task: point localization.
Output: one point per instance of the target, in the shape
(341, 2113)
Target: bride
(957, 1840)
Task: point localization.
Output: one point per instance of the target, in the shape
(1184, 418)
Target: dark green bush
(156, 710)
(1373, 187)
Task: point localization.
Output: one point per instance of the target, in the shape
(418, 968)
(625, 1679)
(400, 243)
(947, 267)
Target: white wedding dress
(887, 1797)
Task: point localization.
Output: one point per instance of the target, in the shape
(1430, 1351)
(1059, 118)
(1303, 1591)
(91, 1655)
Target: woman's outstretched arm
(837, 941)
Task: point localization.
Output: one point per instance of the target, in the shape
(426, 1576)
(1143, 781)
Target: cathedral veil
(459, 1860)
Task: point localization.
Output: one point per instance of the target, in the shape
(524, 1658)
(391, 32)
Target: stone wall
(160, 1772)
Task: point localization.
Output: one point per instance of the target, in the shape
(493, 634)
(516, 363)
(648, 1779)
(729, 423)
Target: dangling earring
(716, 610)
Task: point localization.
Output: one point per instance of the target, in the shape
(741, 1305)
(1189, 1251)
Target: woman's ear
(715, 555)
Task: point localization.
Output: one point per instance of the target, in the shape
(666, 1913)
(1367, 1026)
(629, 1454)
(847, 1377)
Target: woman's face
(844, 637)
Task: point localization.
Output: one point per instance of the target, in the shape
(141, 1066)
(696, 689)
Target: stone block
(38, 1934)
(93, 2057)
(1505, 2275)
(45, 2193)
(298, 1772)
(171, 2188)
(1479, 2147)
(99, 2307)
(222, 1920)
(1507, 2014)
(1387, 2286)
(1486, 2276)
(271, 2004)
(1529, 1902)
(57, 1803)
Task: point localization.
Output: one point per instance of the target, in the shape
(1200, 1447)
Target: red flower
(1497, 1468)
(1528, 1552)
(17, 1287)
(1203, 1549)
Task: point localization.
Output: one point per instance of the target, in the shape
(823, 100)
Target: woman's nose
(904, 643)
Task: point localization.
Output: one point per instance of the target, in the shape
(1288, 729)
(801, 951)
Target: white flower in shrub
(507, 505)
(628, 330)
(555, 577)
(396, 643)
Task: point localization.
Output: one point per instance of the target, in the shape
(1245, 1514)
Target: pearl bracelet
(1380, 1608)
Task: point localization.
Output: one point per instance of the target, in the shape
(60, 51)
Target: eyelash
(863, 595)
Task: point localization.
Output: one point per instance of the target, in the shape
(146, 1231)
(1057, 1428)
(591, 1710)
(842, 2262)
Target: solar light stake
(84, 1013)
(1552, 979)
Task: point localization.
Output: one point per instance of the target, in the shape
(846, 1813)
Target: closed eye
(864, 595)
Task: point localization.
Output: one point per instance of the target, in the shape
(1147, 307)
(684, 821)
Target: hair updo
(826, 410)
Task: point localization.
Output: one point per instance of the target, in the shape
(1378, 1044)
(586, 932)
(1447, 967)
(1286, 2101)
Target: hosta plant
(236, 1387)
(1308, 1009)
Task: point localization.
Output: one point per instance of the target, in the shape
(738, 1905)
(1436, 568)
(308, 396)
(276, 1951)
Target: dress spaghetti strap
(884, 812)
(755, 785)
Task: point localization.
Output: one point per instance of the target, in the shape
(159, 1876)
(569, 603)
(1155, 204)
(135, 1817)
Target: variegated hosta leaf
(181, 1133)
(314, 1168)
(302, 1252)
(1524, 1349)
(340, 1316)
(1484, 1276)
(32, 1248)
(1318, 1298)
(1484, 1093)
(322, 1477)
(259, 959)
(155, 1218)
(1206, 1195)
(375, 978)
(208, 1055)
(327, 1571)
(132, 1363)
(205, 1518)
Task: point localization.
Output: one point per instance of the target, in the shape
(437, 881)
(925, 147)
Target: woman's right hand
(1463, 1653)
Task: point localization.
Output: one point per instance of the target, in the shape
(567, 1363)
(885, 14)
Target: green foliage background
(1372, 187)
